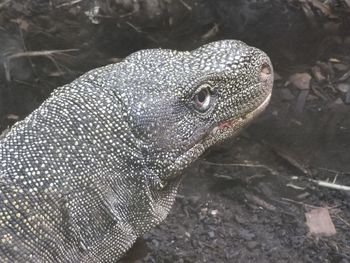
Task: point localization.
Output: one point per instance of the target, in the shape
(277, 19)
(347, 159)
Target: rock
(338, 101)
(341, 67)
(211, 234)
(277, 76)
(286, 94)
(246, 234)
(300, 80)
(343, 87)
(252, 244)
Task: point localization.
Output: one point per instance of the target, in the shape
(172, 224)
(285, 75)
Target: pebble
(343, 87)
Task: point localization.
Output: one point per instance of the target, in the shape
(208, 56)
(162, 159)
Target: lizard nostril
(265, 72)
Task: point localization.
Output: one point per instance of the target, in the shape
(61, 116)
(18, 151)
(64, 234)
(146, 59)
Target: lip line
(214, 130)
(228, 123)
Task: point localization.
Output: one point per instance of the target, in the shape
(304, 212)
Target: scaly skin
(98, 164)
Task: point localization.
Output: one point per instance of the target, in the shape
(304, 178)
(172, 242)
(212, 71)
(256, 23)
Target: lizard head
(188, 101)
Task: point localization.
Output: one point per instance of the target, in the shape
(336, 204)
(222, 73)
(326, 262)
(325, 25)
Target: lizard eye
(202, 99)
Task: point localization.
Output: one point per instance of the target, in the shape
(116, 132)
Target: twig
(211, 32)
(299, 203)
(23, 83)
(33, 68)
(345, 76)
(318, 93)
(29, 54)
(343, 220)
(332, 171)
(335, 178)
(325, 184)
(243, 165)
(40, 53)
(331, 185)
(55, 63)
(134, 27)
(4, 3)
(296, 186)
(260, 202)
(222, 176)
(189, 8)
(69, 3)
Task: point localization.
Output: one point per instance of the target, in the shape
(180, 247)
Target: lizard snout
(265, 72)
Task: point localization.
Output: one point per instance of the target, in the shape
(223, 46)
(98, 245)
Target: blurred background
(258, 197)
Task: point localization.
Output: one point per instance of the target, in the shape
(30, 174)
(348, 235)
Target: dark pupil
(202, 95)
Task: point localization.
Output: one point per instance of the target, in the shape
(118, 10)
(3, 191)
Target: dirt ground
(246, 200)
(229, 213)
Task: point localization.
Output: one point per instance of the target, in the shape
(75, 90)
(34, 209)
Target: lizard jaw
(219, 133)
(231, 127)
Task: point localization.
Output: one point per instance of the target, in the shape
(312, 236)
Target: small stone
(214, 212)
(300, 80)
(204, 211)
(312, 97)
(211, 234)
(246, 235)
(341, 67)
(252, 244)
(286, 94)
(277, 76)
(343, 87)
(338, 101)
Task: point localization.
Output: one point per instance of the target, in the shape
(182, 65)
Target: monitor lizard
(98, 164)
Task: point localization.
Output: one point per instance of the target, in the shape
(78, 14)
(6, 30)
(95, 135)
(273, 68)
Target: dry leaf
(316, 70)
(23, 24)
(320, 223)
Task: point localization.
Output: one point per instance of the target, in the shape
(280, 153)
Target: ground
(247, 199)
(230, 211)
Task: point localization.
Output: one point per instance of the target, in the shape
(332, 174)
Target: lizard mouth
(230, 127)
(222, 131)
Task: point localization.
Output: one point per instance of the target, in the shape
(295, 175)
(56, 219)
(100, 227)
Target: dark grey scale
(98, 164)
